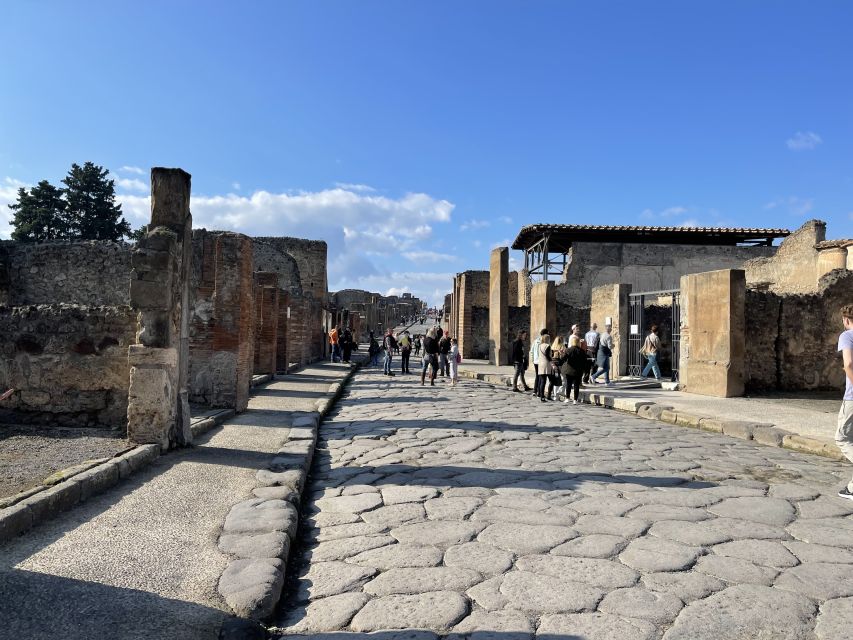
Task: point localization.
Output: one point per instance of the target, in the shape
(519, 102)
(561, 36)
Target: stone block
(14, 521)
(711, 424)
(499, 306)
(139, 355)
(97, 480)
(252, 587)
(769, 435)
(652, 411)
(688, 420)
(812, 445)
(738, 429)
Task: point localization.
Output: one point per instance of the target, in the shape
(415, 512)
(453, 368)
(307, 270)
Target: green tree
(92, 210)
(40, 214)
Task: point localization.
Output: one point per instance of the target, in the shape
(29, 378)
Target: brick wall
(67, 363)
(473, 292)
(266, 322)
(310, 256)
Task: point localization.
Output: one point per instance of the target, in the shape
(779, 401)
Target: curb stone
(252, 586)
(762, 433)
(63, 489)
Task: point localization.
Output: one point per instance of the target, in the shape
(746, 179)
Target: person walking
(519, 361)
(602, 359)
(430, 359)
(573, 367)
(455, 359)
(443, 355)
(417, 345)
(543, 376)
(534, 357)
(373, 350)
(334, 339)
(592, 339)
(844, 433)
(346, 344)
(389, 343)
(405, 343)
(650, 349)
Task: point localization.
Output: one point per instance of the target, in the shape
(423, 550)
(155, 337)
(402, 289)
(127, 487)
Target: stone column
(499, 306)
(611, 301)
(266, 322)
(713, 333)
(158, 408)
(543, 308)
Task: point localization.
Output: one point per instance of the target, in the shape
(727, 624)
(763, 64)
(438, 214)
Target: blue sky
(413, 137)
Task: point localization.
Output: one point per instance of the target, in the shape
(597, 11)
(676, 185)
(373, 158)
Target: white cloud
(358, 188)
(793, 204)
(474, 224)
(430, 256)
(803, 141)
(477, 243)
(690, 222)
(129, 169)
(505, 219)
(514, 264)
(429, 286)
(669, 212)
(235, 186)
(501, 243)
(8, 195)
(132, 184)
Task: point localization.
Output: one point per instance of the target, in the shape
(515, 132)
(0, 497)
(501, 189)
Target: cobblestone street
(479, 510)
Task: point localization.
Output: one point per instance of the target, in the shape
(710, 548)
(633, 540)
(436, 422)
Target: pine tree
(40, 214)
(90, 198)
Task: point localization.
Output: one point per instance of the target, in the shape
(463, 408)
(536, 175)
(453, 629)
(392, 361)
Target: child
(454, 362)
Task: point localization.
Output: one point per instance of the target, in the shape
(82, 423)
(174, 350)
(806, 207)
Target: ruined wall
(68, 364)
(473, 293)
(646, 267)
(519, 320)
(568, 315)
(310, 256)
(519, 288)
(267, 257)
(479, 345)
(92, 272)
(611, 301)
(793, 268)
(791, 340)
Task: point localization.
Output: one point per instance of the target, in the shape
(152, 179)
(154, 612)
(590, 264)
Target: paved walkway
(141, 561)
(812, 415)
(474, 509)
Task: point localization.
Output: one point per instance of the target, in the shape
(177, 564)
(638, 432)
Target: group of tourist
(342, 344)
(440, 353)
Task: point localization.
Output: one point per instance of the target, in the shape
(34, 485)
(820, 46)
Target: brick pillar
(499, 306)
(266, 322)
(464, 331)
(158, 409)
(713, 339)
(543, 308)
(281, 353)
(611, 301)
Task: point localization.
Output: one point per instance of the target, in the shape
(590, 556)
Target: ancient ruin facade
(127, 337)
(366, 311)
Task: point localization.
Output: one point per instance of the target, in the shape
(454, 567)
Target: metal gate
(644, 310)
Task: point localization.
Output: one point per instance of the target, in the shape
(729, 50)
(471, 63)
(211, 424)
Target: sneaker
(574, 401)
(566, 401)
(516, 390)
(845, 493)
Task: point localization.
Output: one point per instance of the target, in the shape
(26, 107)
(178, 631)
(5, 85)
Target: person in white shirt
(602, 358)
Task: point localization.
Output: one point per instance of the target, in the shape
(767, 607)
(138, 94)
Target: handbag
(458, 358)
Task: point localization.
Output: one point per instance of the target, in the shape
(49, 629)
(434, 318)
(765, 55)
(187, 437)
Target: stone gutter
(761, 432)
(260, 531)
(65, 488)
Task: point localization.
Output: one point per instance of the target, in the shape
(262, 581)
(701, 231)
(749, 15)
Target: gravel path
(478, 510)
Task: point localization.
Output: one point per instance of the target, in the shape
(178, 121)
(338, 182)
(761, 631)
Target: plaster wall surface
(794, 267)
(611, 301)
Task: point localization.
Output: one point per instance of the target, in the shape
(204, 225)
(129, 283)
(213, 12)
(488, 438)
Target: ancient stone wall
(794, 267)
(310, 256)
(646, 267)
(611, 301)
(479, 345)
(791, 340)
(518, 320)
(91, 272)
(266, 322)
(473, 292)
(269, 257)
(568, 315)
(68, 364)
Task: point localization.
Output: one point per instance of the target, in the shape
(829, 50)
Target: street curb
(761, 432)
(251, 586)
(81, 482)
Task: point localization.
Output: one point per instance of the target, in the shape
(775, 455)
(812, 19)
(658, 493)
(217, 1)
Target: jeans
(404, 360)
(336, 352)
(374, 359)
(844, 433)
(443, 366)
(605, 369)
(388, 362)
(652, 365)
(519, 373)
(572, 383)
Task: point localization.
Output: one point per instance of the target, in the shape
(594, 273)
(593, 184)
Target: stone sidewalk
(474, 513)
(812, 417)
(141, 560)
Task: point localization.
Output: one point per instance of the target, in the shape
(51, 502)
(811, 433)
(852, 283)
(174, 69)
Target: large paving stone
(525, 538)
(736, 570)
(422, 580)
(652, 554)
(523, 516)
(745, 611)
(345, 547)
(606, 574)
(438, 610)
(687, 586)
(818, 580)
(825, 507)
(487, 594)
(263, 545)
(350, 504)
(539, 594)
(657, 607)
(349, 531)
(252, 587)
(791, 491)
(399, 555)
(326, 614)
(770, 511)
(696, 534)
(480, 557)
(810, 552)
(324, 579)
(768, 553)
(496, 625)
(603, 506)
(676, 497)
(835, 620)
(655, 512)
(627, 527)
(399, 495)
(395, 515)
(596, 545)
(595, 626)
(823, 531)
(523, 501)
(745, 529)
(452, 508)
(261, 516)
(438, 533)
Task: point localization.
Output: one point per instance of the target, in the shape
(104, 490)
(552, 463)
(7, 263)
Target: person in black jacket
(443, 353)
(573, 366)
(430, 357)
(519, 360)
